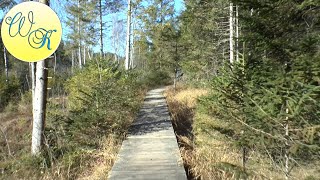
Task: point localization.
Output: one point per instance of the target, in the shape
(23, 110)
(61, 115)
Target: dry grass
(210, 154)
(182, 103)
(102, 160)
(15, 125)
(187, 97)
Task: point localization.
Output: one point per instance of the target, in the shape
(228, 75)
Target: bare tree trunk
(79, 44)
(231, 24)
(33, 66)
(6, 64)
(84, 55)
(237, 33)
(132, 65)
(286, 155)
(101, 28)
(116, 47)
(128, 43)
(72, 61)
(89, 55)
(39, 103)
(27, 79)
(115, 37)
(39, 106)
(55, 63)
(79, 57)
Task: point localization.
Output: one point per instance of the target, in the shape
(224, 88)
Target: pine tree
(155, 18)
(273, 99)
(205, 36)
(81, 20)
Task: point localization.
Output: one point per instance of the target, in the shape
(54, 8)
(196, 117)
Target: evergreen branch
(260, 108)
(258, 130)
(280, 138)
(308, 128)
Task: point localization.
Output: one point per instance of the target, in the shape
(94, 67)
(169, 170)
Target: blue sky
(179, 5)
(57, 4)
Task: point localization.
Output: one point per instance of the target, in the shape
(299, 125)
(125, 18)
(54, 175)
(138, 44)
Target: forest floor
(15, 146)
(16, 125)
(209, 152)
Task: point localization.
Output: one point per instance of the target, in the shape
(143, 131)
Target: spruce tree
(274, 98)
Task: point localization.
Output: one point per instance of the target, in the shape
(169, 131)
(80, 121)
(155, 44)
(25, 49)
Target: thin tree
(6, 64)
(128, 41)
(101, 27)
(231, 41)
(39, 103)
(237, 33)
(118, 34)
(79, 33)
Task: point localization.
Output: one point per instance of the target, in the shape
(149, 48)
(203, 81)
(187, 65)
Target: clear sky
(179, 5)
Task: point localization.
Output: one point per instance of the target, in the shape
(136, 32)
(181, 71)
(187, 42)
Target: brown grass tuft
(102, 160)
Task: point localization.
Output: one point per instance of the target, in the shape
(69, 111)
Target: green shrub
(9, 91)
(100, 100)
(155, 78)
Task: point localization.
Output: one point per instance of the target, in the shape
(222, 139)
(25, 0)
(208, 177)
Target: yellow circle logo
(31, 31)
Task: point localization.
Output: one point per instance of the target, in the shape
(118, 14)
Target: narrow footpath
(150, 151)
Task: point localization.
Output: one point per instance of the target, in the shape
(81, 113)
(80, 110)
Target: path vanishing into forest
(150, 151)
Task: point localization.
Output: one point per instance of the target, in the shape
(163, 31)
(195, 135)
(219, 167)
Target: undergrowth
(208, 145)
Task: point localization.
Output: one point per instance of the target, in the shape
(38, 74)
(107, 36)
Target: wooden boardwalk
(151, 151)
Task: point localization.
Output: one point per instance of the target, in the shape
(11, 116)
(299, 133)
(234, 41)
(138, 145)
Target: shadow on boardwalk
(151, 119)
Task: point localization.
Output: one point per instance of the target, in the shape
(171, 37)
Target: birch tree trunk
(132, 58)
(6, 63)
(72, 61)
(128, 46)
(231, 41)
(117, 48)
(237, 33)
(286, 155)
(33, 77)
(89, 55)
(84, 55)
(101, 28)
(39, 102)
(55, 63)
(39, 106)
(79, 44)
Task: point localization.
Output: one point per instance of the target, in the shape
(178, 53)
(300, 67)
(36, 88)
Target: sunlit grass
(208, 148)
